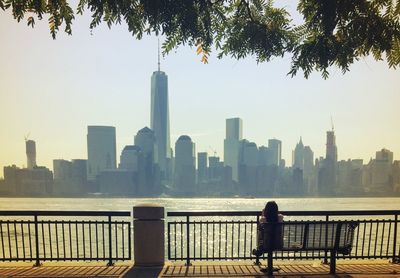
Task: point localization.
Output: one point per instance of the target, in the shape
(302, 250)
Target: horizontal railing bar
(287, 223)
(286, 213)
(62, 213)
(65, 259)
(125, 223)
(278, 257)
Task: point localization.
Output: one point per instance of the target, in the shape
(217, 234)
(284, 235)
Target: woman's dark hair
(271, 212)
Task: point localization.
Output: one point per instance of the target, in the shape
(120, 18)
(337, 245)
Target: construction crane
(213, 150)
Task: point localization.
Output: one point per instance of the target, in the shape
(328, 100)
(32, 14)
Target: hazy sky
(53, 89)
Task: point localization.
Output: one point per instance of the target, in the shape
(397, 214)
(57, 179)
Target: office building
(149, 170)
(232, 145)
(130, 158)
(185, 173)
(30, 147)
(298, 156)
(275, 148)
(101, 147)
(160, 120)
(202, 167)
(331, 149)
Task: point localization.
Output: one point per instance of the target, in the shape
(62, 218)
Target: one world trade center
(160, 120)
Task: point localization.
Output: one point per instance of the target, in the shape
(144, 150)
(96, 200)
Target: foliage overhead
(333, 32)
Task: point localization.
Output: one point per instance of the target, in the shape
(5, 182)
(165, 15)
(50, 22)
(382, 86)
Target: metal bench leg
(270, 264)
(332, 266)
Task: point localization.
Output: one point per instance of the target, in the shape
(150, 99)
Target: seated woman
(270, 236)
(270, 215)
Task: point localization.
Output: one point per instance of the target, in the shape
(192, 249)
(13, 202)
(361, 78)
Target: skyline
(70, 81)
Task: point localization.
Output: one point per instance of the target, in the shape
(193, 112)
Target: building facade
(101, 147)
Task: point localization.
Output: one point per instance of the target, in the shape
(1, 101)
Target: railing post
(37, 263)
(257, 242)
(326, 240)
(187, 241)
(395, 259)
(110, 263)
(149, 236)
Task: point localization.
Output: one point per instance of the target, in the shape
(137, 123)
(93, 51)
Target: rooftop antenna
(27, 136)
(333, 128)
(158, 54)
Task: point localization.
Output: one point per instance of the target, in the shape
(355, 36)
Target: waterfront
(189, 204)
(232, 236)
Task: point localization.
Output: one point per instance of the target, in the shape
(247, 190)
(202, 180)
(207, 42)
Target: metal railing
(232, 235)
(65, 236)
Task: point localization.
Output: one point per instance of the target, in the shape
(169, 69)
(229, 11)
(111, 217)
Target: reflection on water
(184, 204)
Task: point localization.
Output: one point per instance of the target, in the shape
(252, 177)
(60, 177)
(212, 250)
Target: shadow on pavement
(142, 271)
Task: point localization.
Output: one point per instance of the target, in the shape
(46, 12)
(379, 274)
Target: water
(188, 204)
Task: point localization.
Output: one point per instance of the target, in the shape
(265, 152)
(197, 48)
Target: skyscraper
(101, 147)
(232, 145)
(146, 141)
(202, 166)
(275, 147)
(130, 158)
(160, 119)
(327, 173)
(30, 146)
(331, 149)
(298, 156)
(185, 171)
(234, 128)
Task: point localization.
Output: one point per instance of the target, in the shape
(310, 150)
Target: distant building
(160, 121)
(185, 173)
(349, 177)
(29, 182)
(215, 169)
(327, 173)
(202, 167)
(248, 167)
(298, 156)
(331, 148)
(62, 169)
(232, 140)
(70, 177)
(263, 156)
(396, 176)
(234, 129)
(78, 170)
(275, 148)
(117, 182)
(30, 146)
(130, 158)
(303, 159)
(309, 172)
(380, 177)
(149, 176)
(101, 147)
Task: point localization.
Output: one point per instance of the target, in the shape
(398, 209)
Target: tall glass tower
(101, 147)
(160, 119)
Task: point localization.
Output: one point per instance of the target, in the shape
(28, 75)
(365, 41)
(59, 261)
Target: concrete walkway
(206, 269)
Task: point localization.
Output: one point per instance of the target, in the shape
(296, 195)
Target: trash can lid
(148, 212)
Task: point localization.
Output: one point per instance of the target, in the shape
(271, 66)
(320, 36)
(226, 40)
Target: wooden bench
(294, 236)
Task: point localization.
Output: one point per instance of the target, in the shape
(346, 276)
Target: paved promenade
(206, 269)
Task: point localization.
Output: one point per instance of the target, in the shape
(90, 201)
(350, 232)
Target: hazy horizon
(54, 89)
